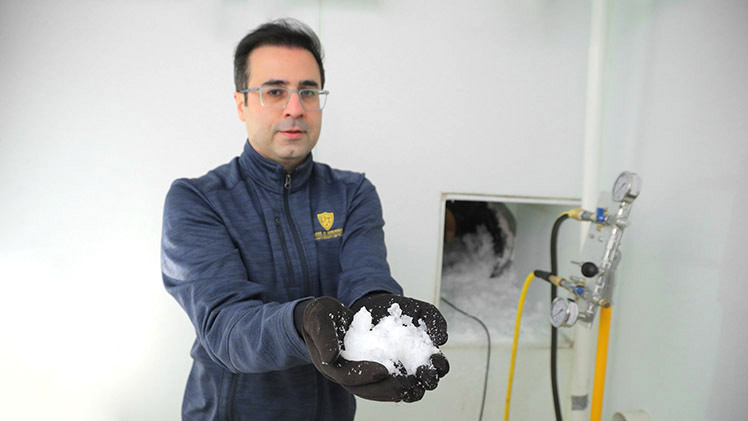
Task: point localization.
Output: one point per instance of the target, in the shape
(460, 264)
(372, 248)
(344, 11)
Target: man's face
(287, 135)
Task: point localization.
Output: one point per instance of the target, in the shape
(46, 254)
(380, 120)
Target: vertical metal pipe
(580, 383)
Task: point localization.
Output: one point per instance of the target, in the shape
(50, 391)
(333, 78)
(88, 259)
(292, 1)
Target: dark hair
(280, 33)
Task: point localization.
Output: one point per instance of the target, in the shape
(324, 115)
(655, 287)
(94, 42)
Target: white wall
(104, 104)
(475, 96)
(676, 113)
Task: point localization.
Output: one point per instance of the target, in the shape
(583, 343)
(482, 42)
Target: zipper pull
(287, 185)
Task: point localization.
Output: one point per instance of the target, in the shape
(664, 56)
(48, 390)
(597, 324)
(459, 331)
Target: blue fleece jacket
(241, 246)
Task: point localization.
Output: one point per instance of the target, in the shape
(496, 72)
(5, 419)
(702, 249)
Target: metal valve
(597, 289)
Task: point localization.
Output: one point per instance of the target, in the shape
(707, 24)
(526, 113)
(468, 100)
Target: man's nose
(294, 107)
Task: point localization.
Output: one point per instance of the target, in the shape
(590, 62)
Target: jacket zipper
(307, 282)
(289, 268)
(232, 392)
(319, 410)
(295, 234)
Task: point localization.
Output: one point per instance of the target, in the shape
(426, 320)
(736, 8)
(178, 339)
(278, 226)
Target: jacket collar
(270, 174)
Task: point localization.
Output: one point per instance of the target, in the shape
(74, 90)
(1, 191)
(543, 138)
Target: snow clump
(394, 342)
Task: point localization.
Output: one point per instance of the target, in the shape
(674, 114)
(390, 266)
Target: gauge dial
(563, 312)
(626, 187)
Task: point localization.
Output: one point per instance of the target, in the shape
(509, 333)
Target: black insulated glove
(322, 322)
(426, 377)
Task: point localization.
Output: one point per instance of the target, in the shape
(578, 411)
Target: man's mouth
(292, 133)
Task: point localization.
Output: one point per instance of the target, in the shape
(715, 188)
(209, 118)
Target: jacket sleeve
(363, 258)
(203, 270)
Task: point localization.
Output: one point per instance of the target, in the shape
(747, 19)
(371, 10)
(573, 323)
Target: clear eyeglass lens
(273, 97)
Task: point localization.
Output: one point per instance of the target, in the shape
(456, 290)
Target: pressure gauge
(627, 187)
(564, 312)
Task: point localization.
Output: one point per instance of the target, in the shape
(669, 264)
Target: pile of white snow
(467, 283)
(393, 342)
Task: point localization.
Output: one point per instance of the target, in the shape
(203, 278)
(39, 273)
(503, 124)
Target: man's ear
(239, 99)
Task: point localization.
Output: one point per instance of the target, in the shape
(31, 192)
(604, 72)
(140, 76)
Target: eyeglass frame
(291, 91)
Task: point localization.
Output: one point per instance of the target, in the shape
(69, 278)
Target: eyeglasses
(277, 98)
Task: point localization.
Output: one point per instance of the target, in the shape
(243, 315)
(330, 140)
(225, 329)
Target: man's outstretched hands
(322, 322)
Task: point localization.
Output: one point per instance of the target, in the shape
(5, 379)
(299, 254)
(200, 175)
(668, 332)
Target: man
(271, 254)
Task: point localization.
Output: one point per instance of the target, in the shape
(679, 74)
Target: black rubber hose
(554, 331)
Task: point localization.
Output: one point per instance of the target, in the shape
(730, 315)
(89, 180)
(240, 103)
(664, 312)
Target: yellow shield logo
(326, 219)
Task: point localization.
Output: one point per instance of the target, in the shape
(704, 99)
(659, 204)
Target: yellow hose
(514, 346)
(601, 362)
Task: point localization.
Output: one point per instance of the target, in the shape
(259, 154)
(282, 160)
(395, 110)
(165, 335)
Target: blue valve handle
(600, 215)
